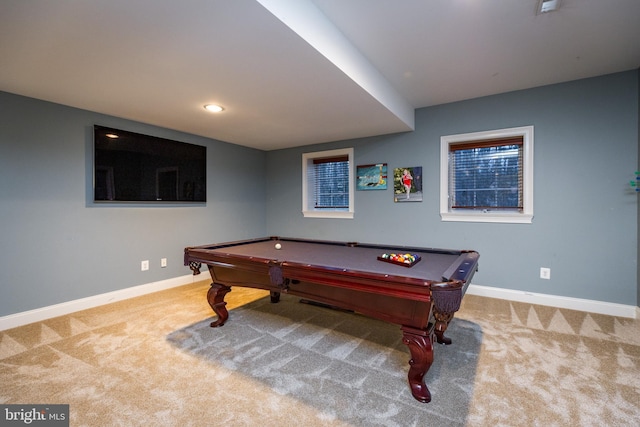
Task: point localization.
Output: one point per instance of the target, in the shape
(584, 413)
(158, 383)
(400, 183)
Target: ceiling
(298, 72)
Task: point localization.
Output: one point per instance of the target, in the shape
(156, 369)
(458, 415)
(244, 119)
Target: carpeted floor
(154, 360)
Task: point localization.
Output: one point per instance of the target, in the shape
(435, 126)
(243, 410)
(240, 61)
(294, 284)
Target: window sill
(328, 214)
(499, 217)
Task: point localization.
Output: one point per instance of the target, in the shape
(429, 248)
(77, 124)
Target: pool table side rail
(233, 261)
(398, 248)
(381, 284)
(463, 268)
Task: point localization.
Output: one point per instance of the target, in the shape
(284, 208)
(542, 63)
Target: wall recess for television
(131, 167)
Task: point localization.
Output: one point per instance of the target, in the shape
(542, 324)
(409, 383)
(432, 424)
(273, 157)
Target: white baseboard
(39, 314)
(590, 306)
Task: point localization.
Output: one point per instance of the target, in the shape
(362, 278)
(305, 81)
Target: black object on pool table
(421, 299)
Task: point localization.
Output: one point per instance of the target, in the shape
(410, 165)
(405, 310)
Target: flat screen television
(131, 167)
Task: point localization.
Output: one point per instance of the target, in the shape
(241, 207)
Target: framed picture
(407, 184)
(371, 177)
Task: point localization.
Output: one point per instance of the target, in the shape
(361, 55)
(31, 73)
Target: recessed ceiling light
(112, 135)
(545, 6)
(213, 108)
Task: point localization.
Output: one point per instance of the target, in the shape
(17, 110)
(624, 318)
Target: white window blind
(486, 175)
(331, 178)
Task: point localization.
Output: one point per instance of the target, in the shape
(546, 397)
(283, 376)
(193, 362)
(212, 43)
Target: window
(487, 176)
(328, 184)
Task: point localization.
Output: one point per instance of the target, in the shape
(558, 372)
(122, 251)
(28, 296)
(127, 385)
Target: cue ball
(278, 245)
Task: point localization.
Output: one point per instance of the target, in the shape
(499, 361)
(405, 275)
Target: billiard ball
(278, 246)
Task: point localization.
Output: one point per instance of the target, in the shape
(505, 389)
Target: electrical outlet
(545, 273)
(144, 265)
(163, 262)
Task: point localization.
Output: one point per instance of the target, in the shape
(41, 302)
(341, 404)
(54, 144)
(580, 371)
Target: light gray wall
(57, 246)
(585, 226)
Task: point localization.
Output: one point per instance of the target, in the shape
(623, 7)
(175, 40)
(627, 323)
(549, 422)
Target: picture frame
(371, 177)
(407, 184)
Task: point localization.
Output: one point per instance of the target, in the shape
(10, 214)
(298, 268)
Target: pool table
(421, 297)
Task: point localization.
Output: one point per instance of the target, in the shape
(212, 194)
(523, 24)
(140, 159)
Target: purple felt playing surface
(340, 256)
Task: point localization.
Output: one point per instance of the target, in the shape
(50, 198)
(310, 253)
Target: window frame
(308, 204)
(473, 215)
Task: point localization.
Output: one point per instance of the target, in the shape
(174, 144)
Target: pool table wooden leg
(420, 343)
(215, 296)
(275, 296)
(442, 322)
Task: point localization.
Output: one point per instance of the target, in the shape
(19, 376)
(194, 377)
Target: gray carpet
(154, 361)
(349, 367)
